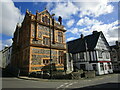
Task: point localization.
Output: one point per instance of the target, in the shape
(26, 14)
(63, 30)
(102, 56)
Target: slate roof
(78, 45)
(114, 46)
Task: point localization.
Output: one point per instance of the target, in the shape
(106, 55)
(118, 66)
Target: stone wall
(37, 56)
(44, 31)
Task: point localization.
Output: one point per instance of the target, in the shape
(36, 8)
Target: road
(105, 81)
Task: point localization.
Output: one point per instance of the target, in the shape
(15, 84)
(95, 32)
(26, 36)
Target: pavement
(40, 79)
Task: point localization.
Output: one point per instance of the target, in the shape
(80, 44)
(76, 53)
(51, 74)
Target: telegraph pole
(50, 45)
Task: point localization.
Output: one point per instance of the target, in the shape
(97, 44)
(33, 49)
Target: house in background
(6, 56)
(91, 52)
(115, 56)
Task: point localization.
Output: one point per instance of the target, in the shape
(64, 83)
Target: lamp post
(50, 44)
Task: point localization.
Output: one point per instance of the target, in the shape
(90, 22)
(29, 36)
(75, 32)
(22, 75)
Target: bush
(32, 74)
(62, 75)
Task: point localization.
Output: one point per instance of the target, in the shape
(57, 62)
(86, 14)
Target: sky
(79, 17)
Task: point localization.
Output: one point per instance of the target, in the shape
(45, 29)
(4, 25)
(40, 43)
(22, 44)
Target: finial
(45, 8)
(36, 11)
(60, 20)
(27, 10)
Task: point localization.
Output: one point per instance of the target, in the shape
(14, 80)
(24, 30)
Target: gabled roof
(79, 45)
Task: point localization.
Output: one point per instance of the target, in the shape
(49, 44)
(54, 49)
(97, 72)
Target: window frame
(61, 57)
(100, 54)
(44, 42)
(101, 66)
(60, 36)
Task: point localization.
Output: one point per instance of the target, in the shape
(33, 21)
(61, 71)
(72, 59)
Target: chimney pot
(82, 36)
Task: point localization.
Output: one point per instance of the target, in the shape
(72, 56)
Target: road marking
(62, 85)
(71, 84)
(66, 85)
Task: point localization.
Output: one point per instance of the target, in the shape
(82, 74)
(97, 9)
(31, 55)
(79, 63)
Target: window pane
(101, 66)
(100, 54)
(45, 40)
(82, 66)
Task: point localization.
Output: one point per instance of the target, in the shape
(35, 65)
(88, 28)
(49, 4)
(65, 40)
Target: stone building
(115, 56)
(91, 52)
(32, 44)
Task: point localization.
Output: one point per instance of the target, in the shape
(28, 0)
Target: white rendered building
(91, 52)
(6, 56)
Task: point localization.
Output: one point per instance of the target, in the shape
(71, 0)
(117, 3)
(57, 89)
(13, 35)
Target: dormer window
(45, 19)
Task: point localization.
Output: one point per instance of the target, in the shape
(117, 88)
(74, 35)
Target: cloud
(86, 21)
(70, 22)
(4, 43)
(0, 45)
(109, 30)
(10, 17)
(74, 31)
(71, 38)
(8, 42)
(94, 9)
(65, 9)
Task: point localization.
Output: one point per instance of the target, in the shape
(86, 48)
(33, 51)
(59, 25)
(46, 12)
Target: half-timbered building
(34, 39)
(91, 52)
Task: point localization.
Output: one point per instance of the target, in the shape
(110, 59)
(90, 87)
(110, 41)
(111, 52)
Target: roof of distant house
(80, 45)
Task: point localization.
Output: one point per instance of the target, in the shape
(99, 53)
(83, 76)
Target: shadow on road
(6, 74)
(105, 85)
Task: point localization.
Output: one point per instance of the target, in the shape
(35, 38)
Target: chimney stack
(94, 32)
(117, 43)
(82, 36)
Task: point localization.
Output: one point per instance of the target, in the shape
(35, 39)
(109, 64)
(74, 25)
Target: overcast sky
(78, 17)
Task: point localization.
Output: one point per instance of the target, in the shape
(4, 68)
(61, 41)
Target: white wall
(6, 56)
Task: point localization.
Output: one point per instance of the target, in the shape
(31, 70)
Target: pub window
(60, 59)
(107, 55)
(101, 66)
(60, 37)
(99, 54)
(105, 67)
(46, 61)
(82, 66)
(109, 65)
(94, 67)
(45, 40)
(81, 55)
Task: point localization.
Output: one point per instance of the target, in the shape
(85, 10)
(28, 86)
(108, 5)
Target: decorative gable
(102, 44)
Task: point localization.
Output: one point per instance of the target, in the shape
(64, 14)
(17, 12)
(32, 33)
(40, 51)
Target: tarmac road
(105, 81)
